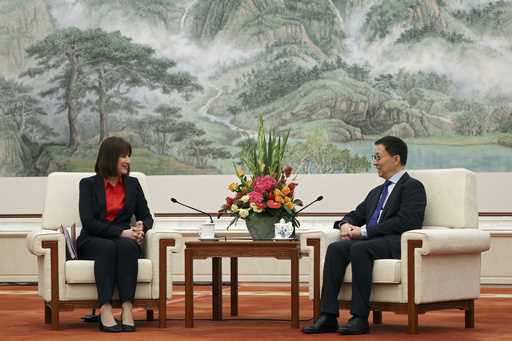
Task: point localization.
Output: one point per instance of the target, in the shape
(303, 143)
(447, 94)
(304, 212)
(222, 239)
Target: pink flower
(264, 184)
(256, 197)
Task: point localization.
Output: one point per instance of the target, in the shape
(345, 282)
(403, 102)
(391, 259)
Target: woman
(107, 203)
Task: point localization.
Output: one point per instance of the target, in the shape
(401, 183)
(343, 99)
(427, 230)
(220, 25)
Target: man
(372, 231)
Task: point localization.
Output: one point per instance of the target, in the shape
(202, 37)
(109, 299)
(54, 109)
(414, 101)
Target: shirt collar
(107, 184)
(395, 178)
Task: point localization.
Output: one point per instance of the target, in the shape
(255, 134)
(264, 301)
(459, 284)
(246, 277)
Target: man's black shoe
(355, 326)
(324, 324)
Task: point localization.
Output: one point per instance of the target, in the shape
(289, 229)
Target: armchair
(440, 264)
(64, 285)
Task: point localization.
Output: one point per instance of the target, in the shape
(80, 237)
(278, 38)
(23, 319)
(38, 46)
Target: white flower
(234, 208)
(245, 198)
(243, 213)
(255, 208)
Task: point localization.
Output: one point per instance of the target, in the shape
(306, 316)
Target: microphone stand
(192, 208)
(295, 221)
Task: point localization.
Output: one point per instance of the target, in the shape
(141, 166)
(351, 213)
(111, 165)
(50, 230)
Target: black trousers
(115, 265)
(361, 253)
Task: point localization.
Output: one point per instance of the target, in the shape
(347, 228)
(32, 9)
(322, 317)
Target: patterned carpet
(264, 312)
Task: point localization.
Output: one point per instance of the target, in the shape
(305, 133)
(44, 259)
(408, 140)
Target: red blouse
(114, 197)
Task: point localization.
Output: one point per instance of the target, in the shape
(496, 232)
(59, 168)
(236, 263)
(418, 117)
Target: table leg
(217, 288)
(189, 289)
(234, 286)
(315, 243)
(295, 289)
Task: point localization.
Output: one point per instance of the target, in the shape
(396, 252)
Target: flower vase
(261, 226)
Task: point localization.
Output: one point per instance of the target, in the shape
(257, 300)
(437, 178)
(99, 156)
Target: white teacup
(207, 231)
(282, 230)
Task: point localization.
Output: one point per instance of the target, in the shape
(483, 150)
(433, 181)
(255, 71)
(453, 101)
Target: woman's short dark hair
(394, 146)
(111, 149)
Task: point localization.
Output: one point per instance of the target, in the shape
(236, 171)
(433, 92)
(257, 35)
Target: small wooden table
(234, 249)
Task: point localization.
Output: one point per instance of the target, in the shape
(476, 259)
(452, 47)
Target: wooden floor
(264, 312)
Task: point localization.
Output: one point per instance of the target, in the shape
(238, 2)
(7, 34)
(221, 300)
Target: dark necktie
(375, 216)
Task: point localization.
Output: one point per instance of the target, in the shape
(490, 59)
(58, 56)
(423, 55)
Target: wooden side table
(234, 249)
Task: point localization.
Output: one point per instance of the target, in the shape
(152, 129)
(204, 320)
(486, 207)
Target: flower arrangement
(267, 195)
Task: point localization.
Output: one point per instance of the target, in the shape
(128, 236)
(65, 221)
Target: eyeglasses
(376, 157)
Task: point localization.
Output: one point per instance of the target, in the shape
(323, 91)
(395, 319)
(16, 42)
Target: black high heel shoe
(126, 327)
(112, 329)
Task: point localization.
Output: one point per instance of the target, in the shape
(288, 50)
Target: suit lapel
(127, 194)
(393, 195)
(100, 193)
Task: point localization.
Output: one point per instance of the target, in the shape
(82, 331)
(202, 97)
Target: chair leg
(55, 317)
(377, 317)
(469, 314)
(162, 313)
(412, 315)
(149, 315)
(47, 314)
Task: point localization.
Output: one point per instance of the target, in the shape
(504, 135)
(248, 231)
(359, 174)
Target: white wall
(19, 265)
(342, 193)
(207, 192)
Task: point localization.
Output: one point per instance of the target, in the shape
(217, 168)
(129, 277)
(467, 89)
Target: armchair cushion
(82, 271)
(451, 197)
(444, 241)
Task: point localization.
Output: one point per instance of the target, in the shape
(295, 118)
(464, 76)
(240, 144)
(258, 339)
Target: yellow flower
(287, 199)
(285, 190)
(278, 193)
(233, 186)
(239, 171)
(289, 205)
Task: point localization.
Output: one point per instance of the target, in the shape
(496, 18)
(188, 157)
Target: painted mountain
(185, 82)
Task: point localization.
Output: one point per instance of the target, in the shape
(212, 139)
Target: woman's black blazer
(92, 207)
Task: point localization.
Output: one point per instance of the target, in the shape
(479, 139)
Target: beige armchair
(65, 285)
(440, 264)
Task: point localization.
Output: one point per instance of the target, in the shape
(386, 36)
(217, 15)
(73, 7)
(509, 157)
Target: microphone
(192, 208)
(295, 222)
(320, 198)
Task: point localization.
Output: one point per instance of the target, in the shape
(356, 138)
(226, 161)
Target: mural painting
(185, 82)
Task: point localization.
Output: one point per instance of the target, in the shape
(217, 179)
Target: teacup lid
(281, 223)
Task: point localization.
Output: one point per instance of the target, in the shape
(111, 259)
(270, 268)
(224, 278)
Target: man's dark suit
(115, 258)
(404, 210)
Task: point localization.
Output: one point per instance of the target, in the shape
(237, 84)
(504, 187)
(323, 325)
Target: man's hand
(345, 231)
(355, 233)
